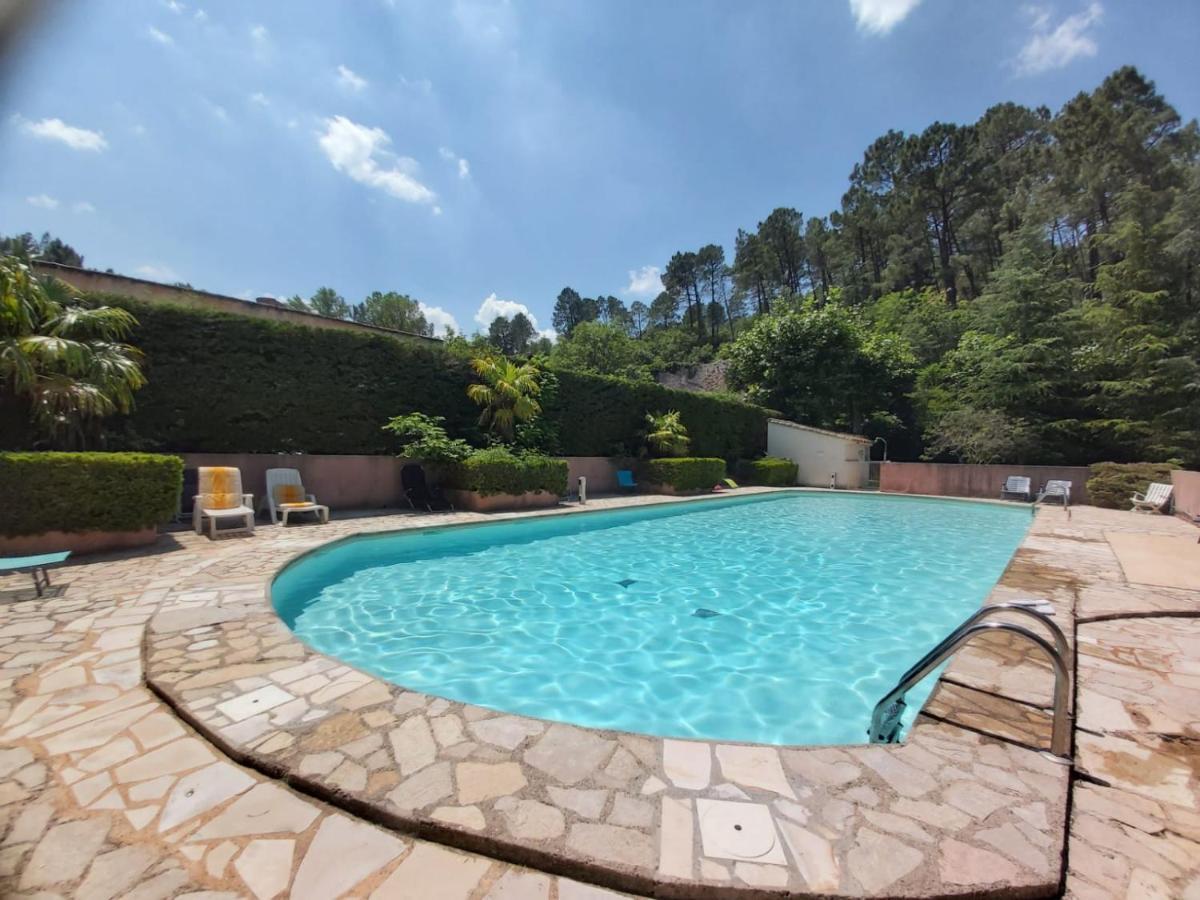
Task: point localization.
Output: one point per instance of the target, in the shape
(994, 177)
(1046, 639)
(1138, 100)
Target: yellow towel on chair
(289, 495)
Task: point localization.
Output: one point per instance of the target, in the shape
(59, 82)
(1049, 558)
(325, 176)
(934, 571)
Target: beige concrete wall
(819, 454)
(154, 292)
(367, 482)
(959, 480)
(1186, 493)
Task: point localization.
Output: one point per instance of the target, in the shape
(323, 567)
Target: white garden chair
(219, 497)
(1017, 485)
(1056, 490)
(286, 495)
(1155, 499)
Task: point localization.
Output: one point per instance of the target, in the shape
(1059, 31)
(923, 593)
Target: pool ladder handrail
(885, 718)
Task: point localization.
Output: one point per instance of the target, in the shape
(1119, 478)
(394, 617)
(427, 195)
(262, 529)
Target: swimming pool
(778, 618)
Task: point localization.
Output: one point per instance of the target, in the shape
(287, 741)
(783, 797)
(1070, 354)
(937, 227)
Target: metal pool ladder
(885, 720)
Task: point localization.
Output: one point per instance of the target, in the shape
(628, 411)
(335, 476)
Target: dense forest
(1022, 289)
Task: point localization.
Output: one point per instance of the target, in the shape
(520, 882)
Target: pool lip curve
(168, 671)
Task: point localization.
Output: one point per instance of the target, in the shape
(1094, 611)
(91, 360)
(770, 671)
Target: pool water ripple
(821, 601)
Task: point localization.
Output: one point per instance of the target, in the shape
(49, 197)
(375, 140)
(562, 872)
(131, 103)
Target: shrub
(87, 491)
(498, 470)
(426, 439)
(1112, 484)
(287, 388)
(770, 470)
(689, 473)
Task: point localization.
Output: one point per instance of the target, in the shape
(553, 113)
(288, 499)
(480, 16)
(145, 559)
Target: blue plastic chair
(625, 479)
(34, 565)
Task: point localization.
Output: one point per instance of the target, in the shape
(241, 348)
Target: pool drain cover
(703, 613)
(626, 582)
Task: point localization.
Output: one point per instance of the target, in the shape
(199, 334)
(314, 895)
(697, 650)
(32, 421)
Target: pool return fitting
(886, 719)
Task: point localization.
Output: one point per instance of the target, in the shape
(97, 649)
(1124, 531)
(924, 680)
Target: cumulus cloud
(1052, 47)
(438, 318)
(174, 6)
(363, 154)
(881, 16)
(493, 307)
(350, 80)
(58, 130)
(42, 201)
(464, 169)
(160, 36)
(83, 207)
(259, 34)
(157, 272)
(644, 282)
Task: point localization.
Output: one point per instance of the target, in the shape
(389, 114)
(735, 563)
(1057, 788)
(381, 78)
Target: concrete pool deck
(140, 803)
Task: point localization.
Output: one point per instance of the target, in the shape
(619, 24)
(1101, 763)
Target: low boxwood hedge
(500, 471)
(87, 491)
(770, 470)
(687, 473)
(1112, 484)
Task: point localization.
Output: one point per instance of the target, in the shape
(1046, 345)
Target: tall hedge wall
(224, 383)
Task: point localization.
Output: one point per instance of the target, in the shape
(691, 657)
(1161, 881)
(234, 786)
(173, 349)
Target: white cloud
(644, 282)
(881, 16)
(363, 153)
(161, 36)
(217, 110)
(437, 210)
(464, 167)
(350, 80)
(157, 272)
(438, 318)
(174, 6)
(58, 130)
(200, 15)
(260, 99)
(493, 307)
(1052, 48)
(259, 33)
(42, 201)
(83, 207)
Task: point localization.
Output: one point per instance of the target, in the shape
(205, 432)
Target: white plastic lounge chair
(285, 495)
(1016, 485)
(35, 565)
(219, 497)
(1056, 490)
(1154, 500)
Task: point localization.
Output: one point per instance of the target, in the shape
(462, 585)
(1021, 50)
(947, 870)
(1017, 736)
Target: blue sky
(481, 155)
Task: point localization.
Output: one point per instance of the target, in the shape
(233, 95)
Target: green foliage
(389, 309)
(601, 349)
(820, 365)
(979, 436)
(62, 359)
(269, 387)
(508, 393)
(666, 435)
(87, 491)
(426, 439)
(497, 470)
(597, 415)
(512, 337)
(683, 473)
(1112, 484)
(770, 470)
(48, 248)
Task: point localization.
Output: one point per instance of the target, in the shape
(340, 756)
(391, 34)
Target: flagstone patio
(296, 760)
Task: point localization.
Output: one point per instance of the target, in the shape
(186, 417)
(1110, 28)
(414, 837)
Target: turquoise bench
(34, 565)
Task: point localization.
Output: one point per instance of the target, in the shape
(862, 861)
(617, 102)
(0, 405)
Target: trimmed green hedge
(770, 470)
(87, 491)
(686, 473)
(223, 383)
(499, 471)
(1112, 484)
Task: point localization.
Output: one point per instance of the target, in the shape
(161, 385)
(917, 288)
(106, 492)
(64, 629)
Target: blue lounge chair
(34, 565)
(625, 480)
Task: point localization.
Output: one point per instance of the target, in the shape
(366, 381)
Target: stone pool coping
(955, 810)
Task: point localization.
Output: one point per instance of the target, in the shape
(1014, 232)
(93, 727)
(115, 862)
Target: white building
(824, 457)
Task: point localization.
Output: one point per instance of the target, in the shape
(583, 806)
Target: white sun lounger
(286, 495)
(1060, 490)
(1155, 499)
(219, 497)
(1018, 486)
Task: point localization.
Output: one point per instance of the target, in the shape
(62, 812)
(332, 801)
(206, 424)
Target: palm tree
(508, 393)
(65, 359)
(666, 434)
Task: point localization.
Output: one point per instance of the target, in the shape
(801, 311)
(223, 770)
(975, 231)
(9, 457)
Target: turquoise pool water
(776, 619)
